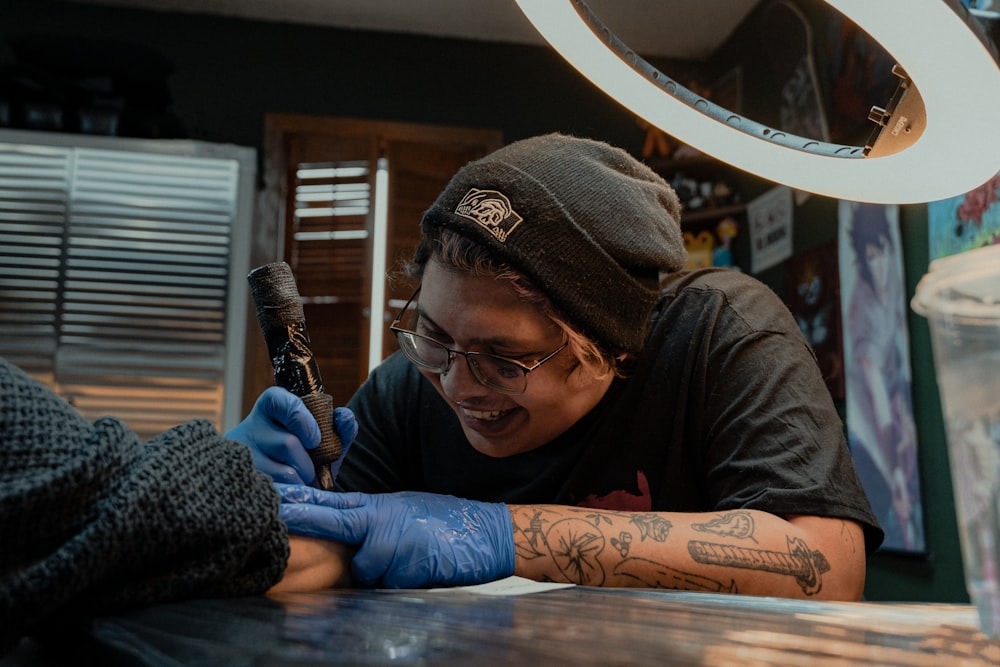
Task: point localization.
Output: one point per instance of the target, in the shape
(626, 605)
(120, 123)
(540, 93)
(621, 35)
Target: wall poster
(880, 425)
(770, 218)
(812, 289)
(965, 222)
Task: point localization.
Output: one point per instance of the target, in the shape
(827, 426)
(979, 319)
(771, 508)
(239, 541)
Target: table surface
(576, 625)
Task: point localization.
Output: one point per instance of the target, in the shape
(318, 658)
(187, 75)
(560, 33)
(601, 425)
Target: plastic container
(960, 297)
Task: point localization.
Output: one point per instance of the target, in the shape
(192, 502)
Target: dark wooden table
(577, 626)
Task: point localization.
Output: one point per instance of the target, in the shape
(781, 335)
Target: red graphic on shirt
(623, 500)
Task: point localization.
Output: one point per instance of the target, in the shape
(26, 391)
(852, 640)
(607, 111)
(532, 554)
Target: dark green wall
(227, 73)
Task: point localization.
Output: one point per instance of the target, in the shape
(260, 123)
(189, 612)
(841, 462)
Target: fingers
(286, 409)
(276, 470)
(296, 493)
(306, 520)
(281, 455)
(346, 425)
(338, 517)
(347, 429)
(286, 429)
(349, 526)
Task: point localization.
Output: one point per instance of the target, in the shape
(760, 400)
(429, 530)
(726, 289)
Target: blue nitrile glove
(280, 429)
(408, 539)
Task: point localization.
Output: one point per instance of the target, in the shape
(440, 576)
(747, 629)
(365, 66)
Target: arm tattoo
(576, 543)
(572, 544)
(535, 532)
(575, 546)
(732, 524)
(805, 565)
(657, 575)
(621, 543)
(652, 526)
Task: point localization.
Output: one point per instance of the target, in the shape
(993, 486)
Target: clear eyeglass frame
(496, 372)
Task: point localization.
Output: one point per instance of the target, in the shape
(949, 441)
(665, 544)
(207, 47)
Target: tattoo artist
(570, 404)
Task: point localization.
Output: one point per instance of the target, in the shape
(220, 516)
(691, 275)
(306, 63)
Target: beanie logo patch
(491, 210)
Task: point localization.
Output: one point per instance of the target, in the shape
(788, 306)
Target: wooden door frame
(268, 232)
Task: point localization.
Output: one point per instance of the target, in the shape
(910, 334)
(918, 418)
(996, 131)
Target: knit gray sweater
(94, 521)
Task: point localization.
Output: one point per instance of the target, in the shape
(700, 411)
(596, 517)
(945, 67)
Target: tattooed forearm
(805, 565)
(575, 546)
(652, 526)
(732, 524)
(535, 532)
(622, 543)
(744, 551)
(572, 544)
(657, 575)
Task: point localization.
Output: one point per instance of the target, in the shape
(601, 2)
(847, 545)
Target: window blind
(122, 275)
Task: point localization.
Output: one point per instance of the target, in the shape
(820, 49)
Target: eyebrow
(489, 342)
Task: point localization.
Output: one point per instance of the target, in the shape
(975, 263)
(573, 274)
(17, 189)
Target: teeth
(476, 414)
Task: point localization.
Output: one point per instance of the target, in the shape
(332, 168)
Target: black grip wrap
(282, 321)
(321, 407)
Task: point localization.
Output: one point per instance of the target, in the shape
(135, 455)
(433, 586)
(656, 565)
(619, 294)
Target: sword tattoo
(805, 565)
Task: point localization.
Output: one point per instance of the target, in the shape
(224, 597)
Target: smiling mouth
(485, 415)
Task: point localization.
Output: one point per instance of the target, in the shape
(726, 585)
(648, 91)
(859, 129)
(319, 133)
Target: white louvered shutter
(122, 275)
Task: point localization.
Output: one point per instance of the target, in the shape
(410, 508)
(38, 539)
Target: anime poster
(812, 292)
(965, 222)
(880, 426)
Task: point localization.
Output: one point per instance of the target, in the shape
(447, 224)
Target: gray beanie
(587, 223)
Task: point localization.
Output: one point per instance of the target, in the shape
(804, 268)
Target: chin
(496, 448)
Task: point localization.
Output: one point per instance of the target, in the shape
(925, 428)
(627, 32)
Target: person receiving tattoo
(570, 404)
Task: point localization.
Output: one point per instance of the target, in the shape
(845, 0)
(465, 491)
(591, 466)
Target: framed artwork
(769, 219)
(965, 222)
(812, 293)
(880, 426)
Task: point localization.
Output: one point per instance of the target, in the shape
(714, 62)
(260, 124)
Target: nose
(458, 383)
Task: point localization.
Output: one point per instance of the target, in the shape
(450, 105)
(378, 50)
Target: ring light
(952, 147)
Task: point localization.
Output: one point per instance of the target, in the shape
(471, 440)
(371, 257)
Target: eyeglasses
(509, 376)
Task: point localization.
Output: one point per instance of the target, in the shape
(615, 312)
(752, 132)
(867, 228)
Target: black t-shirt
(725, 408)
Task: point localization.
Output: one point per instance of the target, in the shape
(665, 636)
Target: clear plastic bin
(960, 297)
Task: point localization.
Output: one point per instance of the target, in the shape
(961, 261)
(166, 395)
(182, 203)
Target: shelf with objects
(714, 211)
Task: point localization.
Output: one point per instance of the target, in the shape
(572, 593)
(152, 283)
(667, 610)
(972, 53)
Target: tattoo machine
(282, 320)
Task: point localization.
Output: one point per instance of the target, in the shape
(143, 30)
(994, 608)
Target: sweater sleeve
(95, 521)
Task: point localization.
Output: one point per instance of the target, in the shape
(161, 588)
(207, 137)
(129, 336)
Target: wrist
(315, 564)
(504, 542)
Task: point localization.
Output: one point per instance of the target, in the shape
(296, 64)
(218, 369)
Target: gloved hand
(408, 539)
(279, 430)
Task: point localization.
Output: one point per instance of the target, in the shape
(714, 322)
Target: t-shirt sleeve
(773, 439)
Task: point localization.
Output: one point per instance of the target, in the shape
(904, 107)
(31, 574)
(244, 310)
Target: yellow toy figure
(699, 249)
(726, 230)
